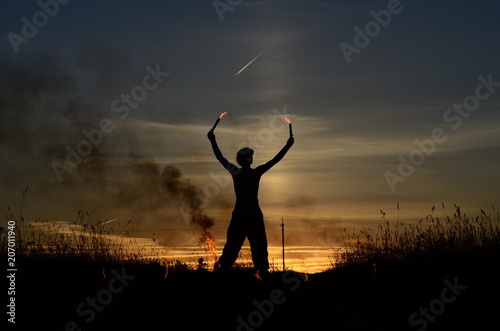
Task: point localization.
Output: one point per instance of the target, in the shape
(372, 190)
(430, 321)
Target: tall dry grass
(80, 241)
(428, 238)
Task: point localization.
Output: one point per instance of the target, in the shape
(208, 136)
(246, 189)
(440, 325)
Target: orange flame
(223, 114)
(209, 240)
(288, 120)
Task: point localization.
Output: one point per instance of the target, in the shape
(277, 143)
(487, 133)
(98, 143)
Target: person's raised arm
(218, 154)
(265, 167)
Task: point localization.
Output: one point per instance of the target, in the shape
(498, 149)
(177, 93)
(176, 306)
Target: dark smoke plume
(46, 101)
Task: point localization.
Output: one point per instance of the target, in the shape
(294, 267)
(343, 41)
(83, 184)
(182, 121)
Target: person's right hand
(211, 135)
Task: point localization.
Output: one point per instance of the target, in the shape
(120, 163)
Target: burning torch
(218, 120)
(289, 125)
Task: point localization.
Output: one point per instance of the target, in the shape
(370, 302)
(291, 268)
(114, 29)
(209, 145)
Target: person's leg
(235, 237)
(258, 242)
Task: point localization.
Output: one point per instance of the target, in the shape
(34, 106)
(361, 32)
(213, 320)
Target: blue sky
(352, 121)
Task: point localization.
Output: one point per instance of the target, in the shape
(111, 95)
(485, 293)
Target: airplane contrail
(116, 219)
(249, 63)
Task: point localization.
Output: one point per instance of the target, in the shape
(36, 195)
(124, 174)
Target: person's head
(244, 157)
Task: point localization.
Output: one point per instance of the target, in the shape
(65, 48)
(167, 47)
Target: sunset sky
(364, 82)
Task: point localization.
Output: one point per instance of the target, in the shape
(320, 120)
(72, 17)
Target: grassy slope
(348, 298)
(412, 265)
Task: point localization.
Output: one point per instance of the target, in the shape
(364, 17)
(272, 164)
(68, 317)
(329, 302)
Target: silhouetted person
(247, 219)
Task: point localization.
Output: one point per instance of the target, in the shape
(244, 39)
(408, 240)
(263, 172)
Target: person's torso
(246, 188)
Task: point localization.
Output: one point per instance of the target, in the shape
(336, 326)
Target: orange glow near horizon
(306, 259)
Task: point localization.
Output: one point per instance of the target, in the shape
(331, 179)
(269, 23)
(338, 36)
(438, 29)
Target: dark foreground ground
(460, 293)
